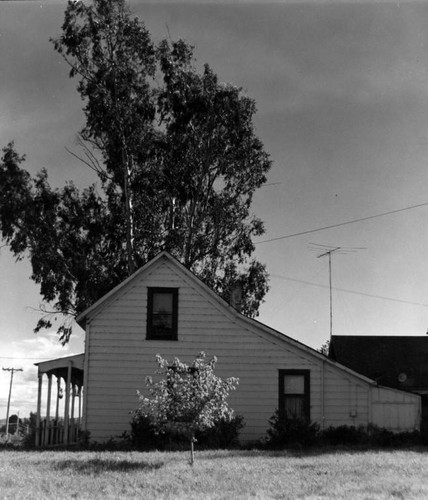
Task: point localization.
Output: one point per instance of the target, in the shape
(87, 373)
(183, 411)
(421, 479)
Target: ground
(215, 475)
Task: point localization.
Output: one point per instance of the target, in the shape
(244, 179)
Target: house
(164, 309)
(400, 362)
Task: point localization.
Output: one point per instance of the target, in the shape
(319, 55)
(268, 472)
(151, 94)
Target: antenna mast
(344, 250)
(329, 252)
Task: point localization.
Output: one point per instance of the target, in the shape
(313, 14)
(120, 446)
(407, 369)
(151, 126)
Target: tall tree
(72, 239)
(178, 163)
(113, 56)
(212, 165)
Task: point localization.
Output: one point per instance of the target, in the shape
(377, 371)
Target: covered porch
(61, 427)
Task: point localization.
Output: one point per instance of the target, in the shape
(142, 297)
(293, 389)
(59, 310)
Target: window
(294, 394)
(162, 313)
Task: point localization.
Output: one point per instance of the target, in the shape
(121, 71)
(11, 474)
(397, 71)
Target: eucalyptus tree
(177, 159)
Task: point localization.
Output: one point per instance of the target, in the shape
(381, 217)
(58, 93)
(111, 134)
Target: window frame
(306, 392)
(151, 334)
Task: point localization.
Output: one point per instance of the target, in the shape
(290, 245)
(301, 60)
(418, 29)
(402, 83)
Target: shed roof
(394, 361)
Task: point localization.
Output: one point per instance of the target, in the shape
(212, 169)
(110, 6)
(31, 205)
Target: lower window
(294, 394)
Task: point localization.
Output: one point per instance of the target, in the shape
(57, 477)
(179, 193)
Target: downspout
(370, 404)
(322, 396)
(85, 379)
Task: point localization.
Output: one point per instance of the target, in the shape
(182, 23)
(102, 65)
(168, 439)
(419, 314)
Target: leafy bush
(344, 435)
(291, 432)
(224, 434)
(371, 436)
(144, 436)
(301, 433)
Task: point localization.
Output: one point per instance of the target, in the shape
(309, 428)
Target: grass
(215, 475)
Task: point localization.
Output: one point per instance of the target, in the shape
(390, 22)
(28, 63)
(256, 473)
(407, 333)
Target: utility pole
(12, 371)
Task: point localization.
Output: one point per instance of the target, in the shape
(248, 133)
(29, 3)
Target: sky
(342, 98)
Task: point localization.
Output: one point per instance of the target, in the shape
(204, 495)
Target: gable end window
(294, 394)
(162, 313)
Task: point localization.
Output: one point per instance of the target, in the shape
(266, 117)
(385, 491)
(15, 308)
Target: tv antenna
(328, 250)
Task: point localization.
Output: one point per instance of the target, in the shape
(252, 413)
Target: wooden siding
(120, 358)
(395, 410)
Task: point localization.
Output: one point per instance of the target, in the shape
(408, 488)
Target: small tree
(188, 398)
(325, 348)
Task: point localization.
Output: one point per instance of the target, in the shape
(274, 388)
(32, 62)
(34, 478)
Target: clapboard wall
(118, 358)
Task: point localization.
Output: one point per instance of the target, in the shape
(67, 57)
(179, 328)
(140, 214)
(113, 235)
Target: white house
(164, 309)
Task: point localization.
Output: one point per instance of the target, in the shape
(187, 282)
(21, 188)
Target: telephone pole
(12, 371)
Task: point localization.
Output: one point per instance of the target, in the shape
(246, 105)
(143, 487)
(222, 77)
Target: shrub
(144, 436)
(371, 436)
(224, 434)
(344, 435)
(291, 432)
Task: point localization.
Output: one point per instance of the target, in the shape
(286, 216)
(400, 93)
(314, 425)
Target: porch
(62, 427)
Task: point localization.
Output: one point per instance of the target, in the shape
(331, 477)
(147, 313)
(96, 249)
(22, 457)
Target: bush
(301, 433)
(371, 436)
(225, 434)
(291, 432)
(143, 435)
(344, 435)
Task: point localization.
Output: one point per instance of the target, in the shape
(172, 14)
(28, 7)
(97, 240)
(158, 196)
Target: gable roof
(250, 323)
(400, 362)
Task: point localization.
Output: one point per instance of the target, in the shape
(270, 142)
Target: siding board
(121, 358)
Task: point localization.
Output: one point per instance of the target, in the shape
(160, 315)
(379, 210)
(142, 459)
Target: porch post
(73, 423)
(67, 403)
(39, 407)
(73, 398)
(80, 405)
(58, 389)
(48, 411)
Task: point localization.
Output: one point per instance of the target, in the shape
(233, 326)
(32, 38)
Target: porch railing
(52, 433)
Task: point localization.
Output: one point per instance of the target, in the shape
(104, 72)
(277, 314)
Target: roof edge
(81, 318)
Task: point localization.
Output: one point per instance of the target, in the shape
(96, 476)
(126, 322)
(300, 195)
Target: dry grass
(215, 475)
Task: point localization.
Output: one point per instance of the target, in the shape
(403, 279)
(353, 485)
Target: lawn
(215, 475)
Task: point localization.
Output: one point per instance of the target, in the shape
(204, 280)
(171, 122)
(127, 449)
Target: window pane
(293, 407)
(162, 311)
(162, 303)
(294, 384)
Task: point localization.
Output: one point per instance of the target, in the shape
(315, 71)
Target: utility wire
(342, 223)
(373, 296)
(19, 357)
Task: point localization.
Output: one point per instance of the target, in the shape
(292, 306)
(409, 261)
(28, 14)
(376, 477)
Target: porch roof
(59, 367)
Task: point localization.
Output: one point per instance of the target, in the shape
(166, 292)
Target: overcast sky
(342, 98)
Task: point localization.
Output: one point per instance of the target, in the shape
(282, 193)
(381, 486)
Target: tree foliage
(177, 159)
(188, 398)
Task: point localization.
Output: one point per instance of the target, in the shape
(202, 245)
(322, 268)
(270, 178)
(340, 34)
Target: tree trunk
(192, 454)
(129, 211)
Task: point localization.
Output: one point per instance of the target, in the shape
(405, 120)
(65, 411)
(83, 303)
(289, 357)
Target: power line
(345, 290)
(19, 357)
(342, 223)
